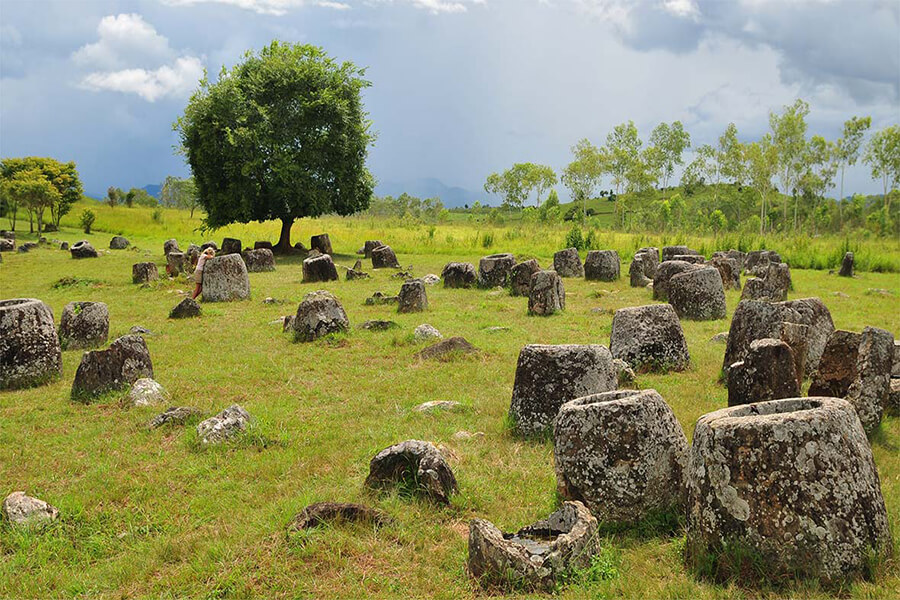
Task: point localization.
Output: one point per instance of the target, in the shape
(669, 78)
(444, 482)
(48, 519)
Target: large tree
(63, 177)
(847, 148)
(282, 135)
(761, 159)
(789, 137)
(883, 157)
(583, 175)
(670, 141)
(516, 183)
(32, 189)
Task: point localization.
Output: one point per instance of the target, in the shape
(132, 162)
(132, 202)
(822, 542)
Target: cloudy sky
(461, 88)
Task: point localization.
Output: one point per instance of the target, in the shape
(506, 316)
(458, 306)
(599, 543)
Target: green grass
(152, 514)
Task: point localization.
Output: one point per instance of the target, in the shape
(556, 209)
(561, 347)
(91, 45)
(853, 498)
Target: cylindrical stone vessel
(144, 272)
(698, 294)
(520, 277)
(788, 486)
(548, 376)
(547, 294)
(225, 278)
(602, 265)
(459, 275)
(84, 325)
(621, 453)
(493, 270)
(30, 354)
(412, 297)
(383, 257)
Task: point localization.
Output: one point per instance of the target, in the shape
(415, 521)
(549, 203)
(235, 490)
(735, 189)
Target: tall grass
(520, 237)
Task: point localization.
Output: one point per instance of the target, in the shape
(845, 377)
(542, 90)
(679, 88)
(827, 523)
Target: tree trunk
(841, 201)
(284, 242)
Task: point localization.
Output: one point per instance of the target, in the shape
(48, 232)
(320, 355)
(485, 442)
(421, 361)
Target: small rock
(147, 392)
(462, 436)
(840, 294)
(438, 405)
(377, 325)
(416, 466)
(24, 511)
(229, 423)
(431, 279)
(426, 332)
(446, 348)
(720, 338)
(329, 512)
(137, 329)
(496, 329)
(185, 309)
(624, 374)
(878, 292)
(118, 243)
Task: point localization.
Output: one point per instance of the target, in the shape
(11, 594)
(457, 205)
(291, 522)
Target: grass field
(154, 515)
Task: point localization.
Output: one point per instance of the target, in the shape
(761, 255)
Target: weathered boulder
(796, 335)
(176, 263)
(370, 245)
(170, 246)
(64, 245)
(356, 272)
(636, 272)
(7, 245)
(147, 392)
(757, 261)
(766, 373)
(697, 294)
(837, 367)
(893, 404)
(754, 320)
(547, 294)
(186, 309)
(225, 426)
(379, 298)
(209, 244)
(414, 467)
(383, 257)
(895, 370)
(567, 263)
(736, 255)
(118, 243)
(792, 483)
(263, 245)
(30, 353)
(847, 265)
(602, 265)
(324, 513)
(144, 272)
(225, 278)
(125, 361)
(649, 338)
(670, 252)
(433, 406)
(728, 270)
(319, 314)
(446, 348)
(494, 270)
(174, 415)
(520, 277)
(83, 325)
(664, 273)
(412, 297)
(231, 246)
(625, 375)
(321, 242)
(694, 259)
(772, 284)
(83, 249)
(319, 268)
(650, 259)
(871, 389)
(259, 260)
(21, 510)
(459, 275)
(426, 333)
(622, 453)
(537, 556)
(430, 279)
(548, 376)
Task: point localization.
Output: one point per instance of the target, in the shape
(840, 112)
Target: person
(198, 272)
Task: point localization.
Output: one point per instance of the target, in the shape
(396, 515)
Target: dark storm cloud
(851, 44)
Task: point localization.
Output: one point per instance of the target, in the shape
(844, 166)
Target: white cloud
(124, 40)
(681, 8)
(176, 80)
(281, 7)
(265, 7)
(130, 57)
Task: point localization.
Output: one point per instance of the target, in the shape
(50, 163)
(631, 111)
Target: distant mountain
(430, 187)
(153, 189)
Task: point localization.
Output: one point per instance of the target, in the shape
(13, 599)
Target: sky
(460, 88)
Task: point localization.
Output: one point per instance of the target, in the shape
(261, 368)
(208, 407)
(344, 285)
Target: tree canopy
(62, 176)
(282, 135)
(516, 184)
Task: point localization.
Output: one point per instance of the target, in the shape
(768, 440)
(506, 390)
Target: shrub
(574, 239)
(157, 215)
(87, 220)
